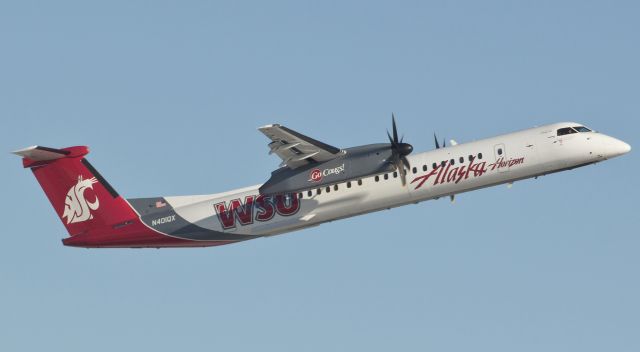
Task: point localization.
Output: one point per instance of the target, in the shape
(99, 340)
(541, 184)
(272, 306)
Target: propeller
(435, 139)
(399, 151)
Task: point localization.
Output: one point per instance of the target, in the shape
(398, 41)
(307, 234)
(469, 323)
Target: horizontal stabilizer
(39, 153)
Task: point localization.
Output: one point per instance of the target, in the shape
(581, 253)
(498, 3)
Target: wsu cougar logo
(76, 207)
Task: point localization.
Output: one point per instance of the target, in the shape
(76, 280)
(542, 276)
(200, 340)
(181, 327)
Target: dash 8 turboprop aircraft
(315, 183)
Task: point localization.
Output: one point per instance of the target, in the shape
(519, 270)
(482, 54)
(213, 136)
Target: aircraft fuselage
(326, 184)
(245, 213)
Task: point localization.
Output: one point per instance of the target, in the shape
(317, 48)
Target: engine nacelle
(356, 163)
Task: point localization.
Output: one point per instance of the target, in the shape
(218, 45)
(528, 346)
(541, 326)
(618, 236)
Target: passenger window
(499, 151)
(424, 167)
(434, 165)
(349, 184)
(318, 191)
(359, 182)
(335, 187)
(566, 130)
(386, 176)
(453, 162)
(415, 170)
(395, 174)
(377, 178)
(299, 195)
(328, 189)
(443, 163)
(309, 193)
(461, 160)
(479, 155)
(470, 158)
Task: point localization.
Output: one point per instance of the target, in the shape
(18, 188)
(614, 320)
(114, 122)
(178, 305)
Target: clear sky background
(168, 95)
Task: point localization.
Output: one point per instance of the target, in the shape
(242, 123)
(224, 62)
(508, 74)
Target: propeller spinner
(399, 152)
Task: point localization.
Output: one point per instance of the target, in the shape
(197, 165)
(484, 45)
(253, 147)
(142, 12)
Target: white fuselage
(460, 168)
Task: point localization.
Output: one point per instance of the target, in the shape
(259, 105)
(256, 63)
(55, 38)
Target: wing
(296, 149)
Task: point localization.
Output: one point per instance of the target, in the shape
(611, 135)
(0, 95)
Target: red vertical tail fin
(81, 197)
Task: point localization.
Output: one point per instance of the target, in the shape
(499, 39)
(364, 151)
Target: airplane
(314, 184)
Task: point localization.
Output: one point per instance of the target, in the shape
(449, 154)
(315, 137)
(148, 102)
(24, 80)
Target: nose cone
(624, 148)
(615, 147)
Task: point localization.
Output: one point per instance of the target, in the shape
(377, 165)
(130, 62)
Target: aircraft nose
(619, 147)
(624, 147)
(616, 147)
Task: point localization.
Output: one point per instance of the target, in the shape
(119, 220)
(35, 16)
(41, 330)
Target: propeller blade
(396, 161)
(403, 173)
(405, 161)
(395, 130)
(435, 139)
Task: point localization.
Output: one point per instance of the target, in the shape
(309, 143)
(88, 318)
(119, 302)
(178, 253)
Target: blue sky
(168, 95)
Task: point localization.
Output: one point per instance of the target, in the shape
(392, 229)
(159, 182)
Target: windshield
(566, 130)
(570, 130)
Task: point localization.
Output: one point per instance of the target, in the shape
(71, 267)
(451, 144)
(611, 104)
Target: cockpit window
(581, 129)
(566, 130)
